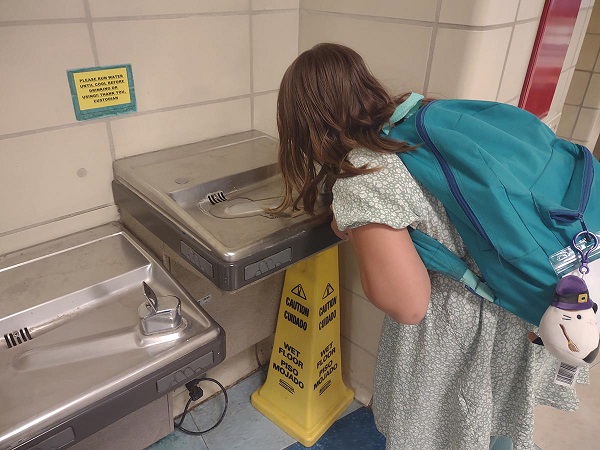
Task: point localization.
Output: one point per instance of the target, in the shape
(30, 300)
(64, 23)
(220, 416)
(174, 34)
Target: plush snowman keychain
(568, 328)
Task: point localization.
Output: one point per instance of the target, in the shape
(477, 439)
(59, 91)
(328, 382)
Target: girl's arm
(393, 276)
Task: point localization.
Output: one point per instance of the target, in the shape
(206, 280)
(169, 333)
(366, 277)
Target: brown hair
(328, 104)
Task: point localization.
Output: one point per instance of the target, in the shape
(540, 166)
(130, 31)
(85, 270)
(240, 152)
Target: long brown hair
(328, 104)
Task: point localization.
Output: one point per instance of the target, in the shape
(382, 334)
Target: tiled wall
(581, 113)
(212, 67)
(446, 48)
(201, 69)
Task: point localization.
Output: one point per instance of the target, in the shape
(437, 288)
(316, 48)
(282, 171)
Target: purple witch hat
(572, 294)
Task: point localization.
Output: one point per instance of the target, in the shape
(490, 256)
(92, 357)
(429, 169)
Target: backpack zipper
(567, 215)
(450, 178)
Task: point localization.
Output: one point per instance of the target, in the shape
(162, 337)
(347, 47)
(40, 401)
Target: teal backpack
(516, 193)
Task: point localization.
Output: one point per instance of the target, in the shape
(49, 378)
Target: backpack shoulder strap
(439, 258)
(404, 110)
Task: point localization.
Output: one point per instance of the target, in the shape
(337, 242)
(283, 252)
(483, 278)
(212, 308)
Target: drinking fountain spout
(158, 318)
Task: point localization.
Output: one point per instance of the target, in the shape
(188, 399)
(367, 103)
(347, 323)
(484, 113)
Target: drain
(216, 197)
(17, 337)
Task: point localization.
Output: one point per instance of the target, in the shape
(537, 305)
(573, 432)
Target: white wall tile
(518, 60)
(597, 66)
(358, 367)
(587, 125)
(589, 52)
(592, 95)
(567, 121)
(405, 71)
(180, 61)
(357, 311)
(594, 25)
(265, 113)
(349, 272)
(529, 9)
(260, 5)
(560, 93)
(577, 89)
(589, 144)
(552, 120)
(274, 47)
(468, 64)
(144, 133)
(478, 12)
(54, 174)
(577, 36)
(40, 9)
(584, 143)
(119, 8)
(45, 232)
(403, 9)
(34, 88)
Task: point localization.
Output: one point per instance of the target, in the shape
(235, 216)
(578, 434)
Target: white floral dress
(467, 371)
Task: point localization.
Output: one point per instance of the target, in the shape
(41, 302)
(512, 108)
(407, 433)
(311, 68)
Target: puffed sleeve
(388, 196)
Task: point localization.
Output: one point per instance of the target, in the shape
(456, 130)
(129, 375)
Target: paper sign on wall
(102, 91)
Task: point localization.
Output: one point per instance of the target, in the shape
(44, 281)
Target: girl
(452, 370)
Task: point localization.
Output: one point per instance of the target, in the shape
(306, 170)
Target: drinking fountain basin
(207, 201)
(92, 328)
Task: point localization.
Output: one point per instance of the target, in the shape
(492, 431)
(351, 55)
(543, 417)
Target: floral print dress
(467, 371)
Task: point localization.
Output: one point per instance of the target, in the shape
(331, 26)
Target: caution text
(327, 306)
(297, 306)
(295, 320)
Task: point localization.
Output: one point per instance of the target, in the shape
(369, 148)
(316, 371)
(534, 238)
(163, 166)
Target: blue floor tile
(179, 441)
(188, 423)
(243, 428)
(356, 430)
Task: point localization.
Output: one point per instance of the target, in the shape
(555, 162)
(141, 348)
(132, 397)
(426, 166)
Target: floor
(560, 430)
(245, 428)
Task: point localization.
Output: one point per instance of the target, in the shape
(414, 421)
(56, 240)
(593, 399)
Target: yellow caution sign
(304, 392)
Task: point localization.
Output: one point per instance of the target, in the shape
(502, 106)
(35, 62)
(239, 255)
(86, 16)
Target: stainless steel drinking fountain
(92, 328)
(207, 201)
